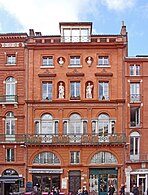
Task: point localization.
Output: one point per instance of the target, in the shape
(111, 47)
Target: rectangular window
(134, 92)
(11, 59)
(47, 91)
(103, 90)
(74, 60)
(9, 154)
(134, 148)
(75, 89)
(74, 157)
(103, 61)
(134, 70)
(134, 116)
(47, 61)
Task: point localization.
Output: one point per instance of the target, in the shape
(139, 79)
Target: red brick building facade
(72, 124)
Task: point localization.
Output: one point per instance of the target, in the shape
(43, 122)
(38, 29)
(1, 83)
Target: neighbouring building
(73, 111)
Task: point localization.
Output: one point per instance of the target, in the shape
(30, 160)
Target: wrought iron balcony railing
(135, 97)
(62, 139)
(8, 98)
(141, 157)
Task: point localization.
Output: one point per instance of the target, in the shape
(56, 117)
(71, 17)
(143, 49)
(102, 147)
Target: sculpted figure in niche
(89, 61)
(89, 91)
(61, 91)
(61, 62)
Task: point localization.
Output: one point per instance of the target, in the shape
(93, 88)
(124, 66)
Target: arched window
(10, 86)
(134, 145)
(46, 158)
(104, 125)
(75, 124)
(10, 124)
(46, 125)
(103, 158)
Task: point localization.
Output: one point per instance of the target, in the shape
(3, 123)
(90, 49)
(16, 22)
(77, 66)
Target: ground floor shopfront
(96, 180)
(138, 177)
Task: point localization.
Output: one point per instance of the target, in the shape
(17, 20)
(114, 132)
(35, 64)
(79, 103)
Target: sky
(106, 15)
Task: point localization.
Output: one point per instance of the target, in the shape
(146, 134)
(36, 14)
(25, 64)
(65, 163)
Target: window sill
(46, 66)
(103, 66)
(10, 64)
(74, 66)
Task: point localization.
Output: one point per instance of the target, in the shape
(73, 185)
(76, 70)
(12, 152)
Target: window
(74, 60)
(10, 155)
(75, 125)
(103, 91)
(76, 35)
(134, 116)
(134, 145)
(47, 61)
(104, 125)
(46, 125)
(10, 124)
(103, 61)
(134, 70)
(135, 92)
(47, 91)
(11, 59)
(74, 157)
(75, 89)
(10, 89)
(46, 158)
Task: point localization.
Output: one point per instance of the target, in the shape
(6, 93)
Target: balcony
(134, 98)
(8, 99)
(142, 157)
(17, 138)
(87, 139)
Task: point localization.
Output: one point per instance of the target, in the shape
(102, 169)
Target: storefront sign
(64, 183)
(46, 171)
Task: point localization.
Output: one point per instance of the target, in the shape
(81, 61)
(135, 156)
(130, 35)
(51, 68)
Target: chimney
(31, 32)
(38, 34)
(123, 29)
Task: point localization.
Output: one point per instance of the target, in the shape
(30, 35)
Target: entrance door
(103, 184)
(74, 182)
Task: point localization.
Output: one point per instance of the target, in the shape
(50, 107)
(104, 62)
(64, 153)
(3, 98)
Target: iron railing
(62, 139)
(135, 97)
(8, 98)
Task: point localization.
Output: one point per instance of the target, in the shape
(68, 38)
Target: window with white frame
(10, 124)
(10, 88)
(11, 59)
(103, 90)
(47, 61)
(103, 61)
(74, 60)
(104, 125)
(75, 89)
(134, 70)
(134, 116)
(47, 90)
(76, 35)
(75, 125)
(10, 155)
(74, 157)
(134, 145)
(46, 158)
(46, 125)
(134, 92)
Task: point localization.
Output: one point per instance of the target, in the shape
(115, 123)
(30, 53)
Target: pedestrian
(84, 191)
(111, 190)
(135, 190)
(79, 192)
(122, 189)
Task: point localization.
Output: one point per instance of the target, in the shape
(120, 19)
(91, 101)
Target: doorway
(74, 181)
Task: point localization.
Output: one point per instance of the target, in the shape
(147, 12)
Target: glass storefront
(46, 182)
(101, 179)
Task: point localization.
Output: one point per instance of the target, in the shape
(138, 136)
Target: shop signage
(46, 171)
